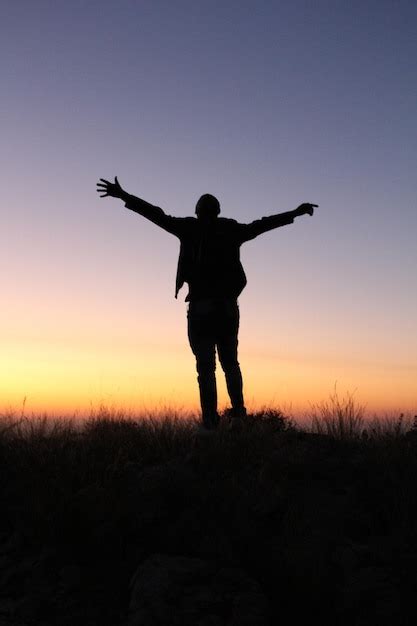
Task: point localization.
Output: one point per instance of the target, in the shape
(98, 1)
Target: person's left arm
(153, 213)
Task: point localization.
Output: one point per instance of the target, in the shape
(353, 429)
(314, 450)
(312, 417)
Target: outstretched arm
(153, 213)
(252, 230)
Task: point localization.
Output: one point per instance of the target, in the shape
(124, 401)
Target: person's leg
(227, 343)
(202, 344)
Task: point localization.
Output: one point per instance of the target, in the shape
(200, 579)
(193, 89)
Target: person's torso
(210, 259)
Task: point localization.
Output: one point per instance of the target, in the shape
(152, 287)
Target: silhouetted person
(209, 262)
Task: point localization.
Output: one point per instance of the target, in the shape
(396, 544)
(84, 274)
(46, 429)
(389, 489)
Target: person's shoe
(202, 431)
(238, 413)
(211, 422)
(237, 417)
(236, 424)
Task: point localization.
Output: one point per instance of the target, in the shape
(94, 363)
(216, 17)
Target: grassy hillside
(149, 523)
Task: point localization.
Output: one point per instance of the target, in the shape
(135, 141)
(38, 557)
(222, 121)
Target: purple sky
(264, 104)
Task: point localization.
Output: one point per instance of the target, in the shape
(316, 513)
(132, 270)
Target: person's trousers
(215, 324)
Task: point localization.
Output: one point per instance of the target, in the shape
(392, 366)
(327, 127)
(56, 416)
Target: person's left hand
(106, 188)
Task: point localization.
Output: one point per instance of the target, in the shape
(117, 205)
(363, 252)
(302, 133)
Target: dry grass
(283, 504)
(341, 418)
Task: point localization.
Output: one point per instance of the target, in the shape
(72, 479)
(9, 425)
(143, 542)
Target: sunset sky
(265, 105)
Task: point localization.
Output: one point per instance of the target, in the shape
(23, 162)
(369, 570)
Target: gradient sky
(264, 104)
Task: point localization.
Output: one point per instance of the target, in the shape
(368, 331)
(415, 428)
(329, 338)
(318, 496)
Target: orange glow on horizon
(64, 379)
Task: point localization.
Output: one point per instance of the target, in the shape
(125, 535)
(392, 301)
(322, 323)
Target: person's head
(208, 207)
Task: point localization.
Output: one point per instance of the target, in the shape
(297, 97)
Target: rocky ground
(152, 525)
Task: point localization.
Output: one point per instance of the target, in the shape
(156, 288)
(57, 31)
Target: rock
(370, 598)
(183, 591)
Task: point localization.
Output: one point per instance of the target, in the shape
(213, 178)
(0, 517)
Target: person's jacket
(209, 259)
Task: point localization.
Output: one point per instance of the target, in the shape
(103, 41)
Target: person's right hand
(106, 188)
(306, 208)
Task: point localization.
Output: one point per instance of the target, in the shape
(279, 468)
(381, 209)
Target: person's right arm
(258, 227)
(153, 213)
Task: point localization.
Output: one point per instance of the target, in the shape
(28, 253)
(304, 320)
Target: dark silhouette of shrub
(303, 519)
